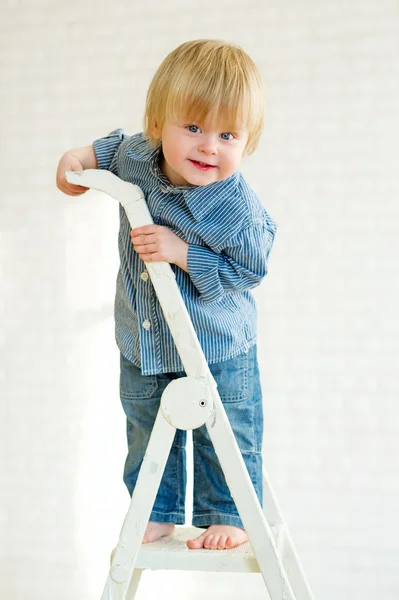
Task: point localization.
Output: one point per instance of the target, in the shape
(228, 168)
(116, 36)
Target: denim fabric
(239, 388)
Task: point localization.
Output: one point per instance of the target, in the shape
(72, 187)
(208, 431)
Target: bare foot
(219, 537)
(155, 531)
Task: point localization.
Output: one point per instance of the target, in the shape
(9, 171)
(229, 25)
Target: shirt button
(144, 276)
(146, 324)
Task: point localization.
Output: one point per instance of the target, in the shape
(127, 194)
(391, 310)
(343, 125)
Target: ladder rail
(285, 545)
(255, 520)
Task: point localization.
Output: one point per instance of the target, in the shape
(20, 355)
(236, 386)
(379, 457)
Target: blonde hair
(207, 77)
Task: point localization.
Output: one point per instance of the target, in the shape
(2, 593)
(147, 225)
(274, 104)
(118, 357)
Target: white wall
(326, 171)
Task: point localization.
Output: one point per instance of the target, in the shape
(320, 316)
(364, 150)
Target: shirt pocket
(231, 377)
(132, 384)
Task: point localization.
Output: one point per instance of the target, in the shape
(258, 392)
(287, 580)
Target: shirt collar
(200, 199)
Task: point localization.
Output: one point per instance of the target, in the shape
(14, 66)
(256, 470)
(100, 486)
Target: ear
(155, 130)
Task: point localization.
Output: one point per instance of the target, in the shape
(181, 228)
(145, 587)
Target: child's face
(199, 154)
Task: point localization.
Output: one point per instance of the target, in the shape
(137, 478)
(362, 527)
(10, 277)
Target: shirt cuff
(203, 265)
(106, 147)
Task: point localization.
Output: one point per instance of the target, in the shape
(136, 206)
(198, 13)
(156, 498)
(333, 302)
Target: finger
(75, 165)
(72, 191)
(144, 230)
(142, 238)
(75, 190)
(146, 249)
(80, 188)
(73, 186)
(146, 257)
(151, 238)
(154, 257)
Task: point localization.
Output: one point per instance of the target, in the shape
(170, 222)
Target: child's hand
(155, 243)
(75, 160)
(69, 163)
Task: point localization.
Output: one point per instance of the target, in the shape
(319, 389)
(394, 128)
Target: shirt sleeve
(239, 266)
(106, 147)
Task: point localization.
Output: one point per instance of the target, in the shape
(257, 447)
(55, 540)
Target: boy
(204, 111)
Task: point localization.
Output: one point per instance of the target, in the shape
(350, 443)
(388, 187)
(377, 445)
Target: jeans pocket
(132, 384)
(231, 377)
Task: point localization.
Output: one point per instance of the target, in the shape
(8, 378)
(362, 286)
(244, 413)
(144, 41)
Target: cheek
(172, 153)
(232, 161)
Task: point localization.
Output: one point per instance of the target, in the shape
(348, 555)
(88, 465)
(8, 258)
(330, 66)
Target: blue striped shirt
(230, 236)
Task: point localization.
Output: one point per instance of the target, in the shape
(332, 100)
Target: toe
(196, 542)
(208, 541)
(214, 543)
(222, 542)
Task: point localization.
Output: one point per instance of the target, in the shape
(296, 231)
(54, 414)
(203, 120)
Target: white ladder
(187, 403)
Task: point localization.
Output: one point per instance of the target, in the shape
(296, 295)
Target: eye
(226, 136)
(193, 128)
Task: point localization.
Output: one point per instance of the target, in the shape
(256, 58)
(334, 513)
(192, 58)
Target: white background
(327, 171)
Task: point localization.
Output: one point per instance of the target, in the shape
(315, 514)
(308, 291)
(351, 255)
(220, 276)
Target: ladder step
(172, 553)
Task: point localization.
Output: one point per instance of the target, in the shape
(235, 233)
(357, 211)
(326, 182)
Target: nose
(207, 145)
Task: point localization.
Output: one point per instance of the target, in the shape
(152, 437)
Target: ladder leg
(124, 557)
(284, 543)
(134, 584)
(254, 521)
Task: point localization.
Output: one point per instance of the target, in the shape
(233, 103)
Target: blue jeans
(239, 388)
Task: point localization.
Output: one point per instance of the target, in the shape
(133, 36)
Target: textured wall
(326, 171)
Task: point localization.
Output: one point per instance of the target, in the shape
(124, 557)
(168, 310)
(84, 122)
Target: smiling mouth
(201, 165)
